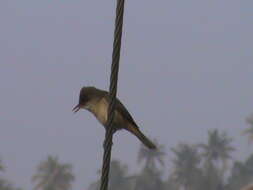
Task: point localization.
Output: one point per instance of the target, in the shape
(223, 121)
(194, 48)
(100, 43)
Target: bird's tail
(142, 137)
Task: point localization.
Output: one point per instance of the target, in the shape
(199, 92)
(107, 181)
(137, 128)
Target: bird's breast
(101, 111)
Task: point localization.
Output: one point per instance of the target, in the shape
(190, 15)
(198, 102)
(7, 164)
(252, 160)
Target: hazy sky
(186, 67)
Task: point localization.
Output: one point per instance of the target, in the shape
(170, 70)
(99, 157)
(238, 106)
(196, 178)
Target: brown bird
(97, 101)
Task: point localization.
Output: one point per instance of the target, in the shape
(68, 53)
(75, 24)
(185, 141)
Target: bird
(96, 101)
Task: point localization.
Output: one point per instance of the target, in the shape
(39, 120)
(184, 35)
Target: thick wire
(113, 92)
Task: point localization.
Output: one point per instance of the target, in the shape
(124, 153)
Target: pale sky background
(186, 67)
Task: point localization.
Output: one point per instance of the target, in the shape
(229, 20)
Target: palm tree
(150, 157)
(216, 154)
(249, 131)
(118, 178)
(1, 166)
(241, 174)
(217, 149)
(150, 176)
(5, 184)
(52, 175)
(186, 172)
(149, 179)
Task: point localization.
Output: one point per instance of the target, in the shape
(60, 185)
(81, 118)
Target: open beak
(76, 108)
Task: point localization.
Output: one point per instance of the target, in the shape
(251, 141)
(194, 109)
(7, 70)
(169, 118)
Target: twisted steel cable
(113, 92)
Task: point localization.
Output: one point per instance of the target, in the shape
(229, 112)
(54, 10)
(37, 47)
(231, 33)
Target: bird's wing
(123, 111)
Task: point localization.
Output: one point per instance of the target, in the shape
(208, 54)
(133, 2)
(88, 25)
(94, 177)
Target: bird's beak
(76, 108)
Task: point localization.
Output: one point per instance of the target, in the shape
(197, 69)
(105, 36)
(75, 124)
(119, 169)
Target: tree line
(208, 166)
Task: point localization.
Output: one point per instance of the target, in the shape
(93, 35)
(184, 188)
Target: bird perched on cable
(97, 101)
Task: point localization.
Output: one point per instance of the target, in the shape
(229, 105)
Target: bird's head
(86, 94)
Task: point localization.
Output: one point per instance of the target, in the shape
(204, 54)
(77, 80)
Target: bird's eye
(83, 99)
